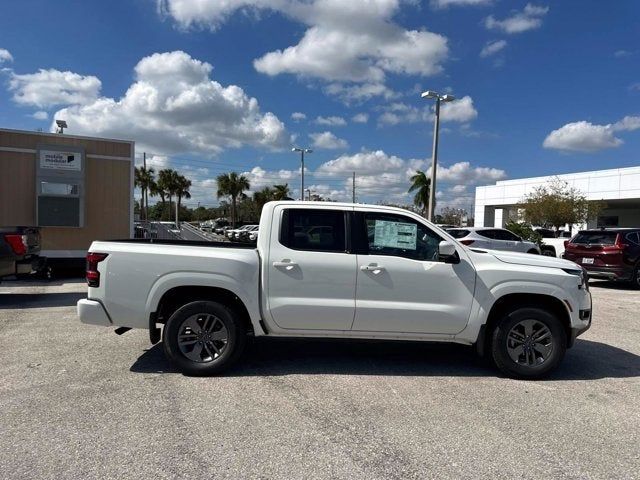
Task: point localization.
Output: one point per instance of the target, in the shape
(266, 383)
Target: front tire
(528, 343)
(203, 338)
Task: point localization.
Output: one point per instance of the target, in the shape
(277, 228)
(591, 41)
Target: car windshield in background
(457, 232)
(595, 238)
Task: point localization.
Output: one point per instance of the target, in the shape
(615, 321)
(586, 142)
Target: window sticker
(395, 235)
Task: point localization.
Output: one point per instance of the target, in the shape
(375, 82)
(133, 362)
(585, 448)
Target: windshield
(595, 238)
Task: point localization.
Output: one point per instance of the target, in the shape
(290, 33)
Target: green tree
(183, 184)
(144, 179)
(168, 181)
(524, 231)
(556, 204)
(422, 186)
(281, 192)
(263, 196)
(452, 216)
(233, 186)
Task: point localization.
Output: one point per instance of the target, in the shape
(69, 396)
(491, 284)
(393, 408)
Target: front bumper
(92, 312)
(585, 316)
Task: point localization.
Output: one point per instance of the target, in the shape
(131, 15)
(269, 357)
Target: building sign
(55, 160)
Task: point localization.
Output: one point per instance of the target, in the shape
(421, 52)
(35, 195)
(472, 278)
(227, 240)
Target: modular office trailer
(76, 189)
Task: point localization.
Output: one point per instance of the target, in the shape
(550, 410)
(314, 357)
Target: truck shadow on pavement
(39, 300)
(587, 360)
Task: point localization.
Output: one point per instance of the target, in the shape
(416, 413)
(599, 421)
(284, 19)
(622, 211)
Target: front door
(402, 285)
(311, 278)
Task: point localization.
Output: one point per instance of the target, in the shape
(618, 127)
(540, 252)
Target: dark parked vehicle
(19, 251)
(612, 253)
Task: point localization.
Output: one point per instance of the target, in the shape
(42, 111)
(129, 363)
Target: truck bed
(187, 243)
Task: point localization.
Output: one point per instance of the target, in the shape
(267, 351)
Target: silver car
(493, 239)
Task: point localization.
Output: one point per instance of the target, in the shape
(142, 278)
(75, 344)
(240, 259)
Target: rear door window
(487, 233)
(315, 230)
(595, 238)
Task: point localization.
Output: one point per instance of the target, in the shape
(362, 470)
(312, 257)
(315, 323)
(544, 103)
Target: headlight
(582, 274)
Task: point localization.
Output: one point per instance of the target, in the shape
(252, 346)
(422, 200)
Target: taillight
(566, 243)
(467, 242)
(18, 243)
(618, 246)
(93, 276)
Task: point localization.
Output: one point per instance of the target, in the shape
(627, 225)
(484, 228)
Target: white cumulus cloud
(327, 140)
(360, 118)
(40, 115)
(492, 47)
(529, 18)
(582, 137)
(298, 116)
(47, 88)
(174, 106)
(5, 56)
(332, 121)
(349, 43)
(438, 4)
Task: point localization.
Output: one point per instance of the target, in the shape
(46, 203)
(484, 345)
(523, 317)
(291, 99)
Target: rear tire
(203, 338)
(528, 343)
(635, 280)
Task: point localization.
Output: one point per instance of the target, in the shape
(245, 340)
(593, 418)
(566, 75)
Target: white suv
(493, 239)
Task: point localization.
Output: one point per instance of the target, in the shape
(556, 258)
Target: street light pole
(302, 152)
(434, 163)
(434, 156)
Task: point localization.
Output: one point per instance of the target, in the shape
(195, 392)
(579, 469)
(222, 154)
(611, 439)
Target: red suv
(612, 253)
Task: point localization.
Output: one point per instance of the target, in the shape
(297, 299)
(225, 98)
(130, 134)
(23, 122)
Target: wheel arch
(511, 301)
(176, 297)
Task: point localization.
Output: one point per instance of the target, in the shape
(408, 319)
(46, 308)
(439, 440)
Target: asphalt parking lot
(78, 401)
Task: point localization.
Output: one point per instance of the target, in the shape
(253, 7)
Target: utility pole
(353, 188)
(302, 152)
(145, 197)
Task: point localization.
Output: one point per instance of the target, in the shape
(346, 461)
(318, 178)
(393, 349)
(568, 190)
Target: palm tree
(263, 196)
(182, 189)
(232, 185)
(281, 192)
(168, 183)
(422, 186)
(144, 179)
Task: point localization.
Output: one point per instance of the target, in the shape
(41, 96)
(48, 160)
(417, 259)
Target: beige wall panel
(96, 147)
(17, 189)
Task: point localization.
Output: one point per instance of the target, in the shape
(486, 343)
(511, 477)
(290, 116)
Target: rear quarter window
(458, 233)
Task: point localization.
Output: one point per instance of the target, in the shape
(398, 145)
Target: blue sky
(207, 87)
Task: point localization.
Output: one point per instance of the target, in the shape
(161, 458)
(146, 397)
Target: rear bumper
(610, 273)
(30, 265)
(92, 312)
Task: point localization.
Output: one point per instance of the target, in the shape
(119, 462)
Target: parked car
(611, 253)
(414, 282)
(493, 239)
(20, 251)
(243, 235)
(253, 236)
(231, 233)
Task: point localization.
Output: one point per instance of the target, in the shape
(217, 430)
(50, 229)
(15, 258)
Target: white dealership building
(618, 188)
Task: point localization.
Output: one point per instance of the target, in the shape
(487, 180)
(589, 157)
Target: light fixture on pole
(61, 126)
(434, 157)
(302, 152)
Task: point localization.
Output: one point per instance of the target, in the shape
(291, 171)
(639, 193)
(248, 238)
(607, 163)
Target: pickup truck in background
(19, 251)
(337, 270)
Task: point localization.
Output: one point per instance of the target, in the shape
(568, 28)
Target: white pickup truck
(342, 271)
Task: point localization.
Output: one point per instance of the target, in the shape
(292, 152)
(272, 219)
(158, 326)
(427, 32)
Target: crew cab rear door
(311, 277)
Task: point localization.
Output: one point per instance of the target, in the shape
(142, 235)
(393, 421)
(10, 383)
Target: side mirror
(447, 252)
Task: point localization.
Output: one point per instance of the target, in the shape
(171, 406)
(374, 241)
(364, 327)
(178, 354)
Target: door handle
(285, 264)
(372, 268)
